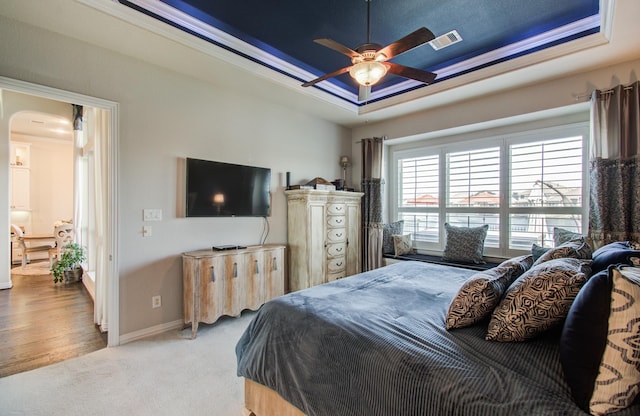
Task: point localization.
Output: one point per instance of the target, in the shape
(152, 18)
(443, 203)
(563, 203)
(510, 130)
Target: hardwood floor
(42, 323)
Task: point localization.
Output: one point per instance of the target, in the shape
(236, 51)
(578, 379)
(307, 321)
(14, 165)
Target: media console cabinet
(226, 282)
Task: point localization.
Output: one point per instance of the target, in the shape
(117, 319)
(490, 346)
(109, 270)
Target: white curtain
(96, 151)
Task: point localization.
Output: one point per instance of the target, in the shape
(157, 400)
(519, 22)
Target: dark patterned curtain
(614, 198)
(372, 203)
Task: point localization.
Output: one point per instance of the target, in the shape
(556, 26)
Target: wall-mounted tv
(217, 189)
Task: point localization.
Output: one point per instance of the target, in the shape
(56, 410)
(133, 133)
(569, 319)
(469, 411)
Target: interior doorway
(101, 231)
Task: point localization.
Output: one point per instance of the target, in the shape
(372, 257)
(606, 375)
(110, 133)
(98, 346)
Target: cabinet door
(212, 288)
(274, 273)
(235, 284)
(353, 256)
(255, 279)
(20, 189)
(317, 246)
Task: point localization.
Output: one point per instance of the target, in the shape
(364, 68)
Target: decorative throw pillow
(394, 228)
(619, 252)
(538, 300)
(576, 248)
(465, 244)
(584, 336)
(618, 380)
(561, 236)
(538, 251)
(402, 244)
(479, 295)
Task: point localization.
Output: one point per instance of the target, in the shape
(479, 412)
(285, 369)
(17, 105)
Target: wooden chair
(26, 245)
(64, 234)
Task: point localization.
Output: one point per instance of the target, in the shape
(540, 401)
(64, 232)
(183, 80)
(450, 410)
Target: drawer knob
(213, 274)
(256, 264)
(235, 270)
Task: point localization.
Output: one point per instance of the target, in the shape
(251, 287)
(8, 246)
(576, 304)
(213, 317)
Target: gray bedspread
(375, 344)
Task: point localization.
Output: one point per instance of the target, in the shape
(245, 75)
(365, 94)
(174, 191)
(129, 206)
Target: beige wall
(166, 116)
(486, 115)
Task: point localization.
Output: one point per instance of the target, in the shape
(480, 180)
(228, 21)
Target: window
(521, 185)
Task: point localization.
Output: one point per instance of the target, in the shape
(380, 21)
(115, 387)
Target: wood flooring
(42, 323)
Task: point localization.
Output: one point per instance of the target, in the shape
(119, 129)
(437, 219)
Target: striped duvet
(375, 344)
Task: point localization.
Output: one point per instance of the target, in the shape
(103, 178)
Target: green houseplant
(67, 268)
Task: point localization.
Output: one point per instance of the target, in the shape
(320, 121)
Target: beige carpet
(167, 374)
(32, 269)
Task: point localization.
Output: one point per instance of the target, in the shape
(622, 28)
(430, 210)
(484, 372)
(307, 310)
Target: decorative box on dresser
(323, 236)
(226, 282)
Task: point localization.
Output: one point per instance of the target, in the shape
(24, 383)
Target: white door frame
(113, 286)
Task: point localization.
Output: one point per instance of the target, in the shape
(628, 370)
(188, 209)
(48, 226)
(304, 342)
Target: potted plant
(67, 268)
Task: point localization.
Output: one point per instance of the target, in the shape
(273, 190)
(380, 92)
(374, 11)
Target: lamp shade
(368, 72)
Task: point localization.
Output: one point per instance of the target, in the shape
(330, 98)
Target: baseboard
(154, 330)
(6, 285)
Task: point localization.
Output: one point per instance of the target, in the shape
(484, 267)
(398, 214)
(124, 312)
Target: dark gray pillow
(561, 236)
(389, 230)
(465, 244)
(619, 252)
(537, 251)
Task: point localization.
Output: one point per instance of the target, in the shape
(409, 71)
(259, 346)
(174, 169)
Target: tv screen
(217, 189)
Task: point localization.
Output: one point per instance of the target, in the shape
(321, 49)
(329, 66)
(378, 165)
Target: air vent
(445, 40)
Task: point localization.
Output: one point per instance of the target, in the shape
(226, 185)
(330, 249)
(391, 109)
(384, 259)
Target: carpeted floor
(167, 374)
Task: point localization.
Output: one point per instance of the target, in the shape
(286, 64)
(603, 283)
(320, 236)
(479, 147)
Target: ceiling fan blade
(332, 44)
(412, 73)
(364, 92)
(412, 40)
(326, 76)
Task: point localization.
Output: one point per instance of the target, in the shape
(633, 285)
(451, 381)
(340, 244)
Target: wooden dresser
(217, 283)
(323, 236)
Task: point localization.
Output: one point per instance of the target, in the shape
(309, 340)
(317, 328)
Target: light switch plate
(149, 214)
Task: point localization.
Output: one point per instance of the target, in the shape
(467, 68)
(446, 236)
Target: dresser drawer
(335, 276)
(336, 209)
(336, 265)
(335, 250)
(336, 235)
(334, 221)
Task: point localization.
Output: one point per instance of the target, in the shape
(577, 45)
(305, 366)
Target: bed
(376, 344)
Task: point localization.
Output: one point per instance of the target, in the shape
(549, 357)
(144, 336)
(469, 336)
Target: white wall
(166, 116)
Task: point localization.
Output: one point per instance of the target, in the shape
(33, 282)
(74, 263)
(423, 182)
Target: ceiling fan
(370, 60)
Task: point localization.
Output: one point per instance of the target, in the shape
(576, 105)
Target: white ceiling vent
(445, 40)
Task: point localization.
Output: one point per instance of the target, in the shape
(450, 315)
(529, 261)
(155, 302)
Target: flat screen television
(217, 189)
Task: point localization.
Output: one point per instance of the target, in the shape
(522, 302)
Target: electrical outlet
(156, 301)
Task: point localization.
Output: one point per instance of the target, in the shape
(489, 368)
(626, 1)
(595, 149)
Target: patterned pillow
(561, 236)
(618, 380)
(394, 228)
(479, 295)
(613, 253)
(576, 248)
(538, 300)
(402, 244)
(465, 244)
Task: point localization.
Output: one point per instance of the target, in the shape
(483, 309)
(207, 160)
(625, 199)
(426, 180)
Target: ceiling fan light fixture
(368, 73)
